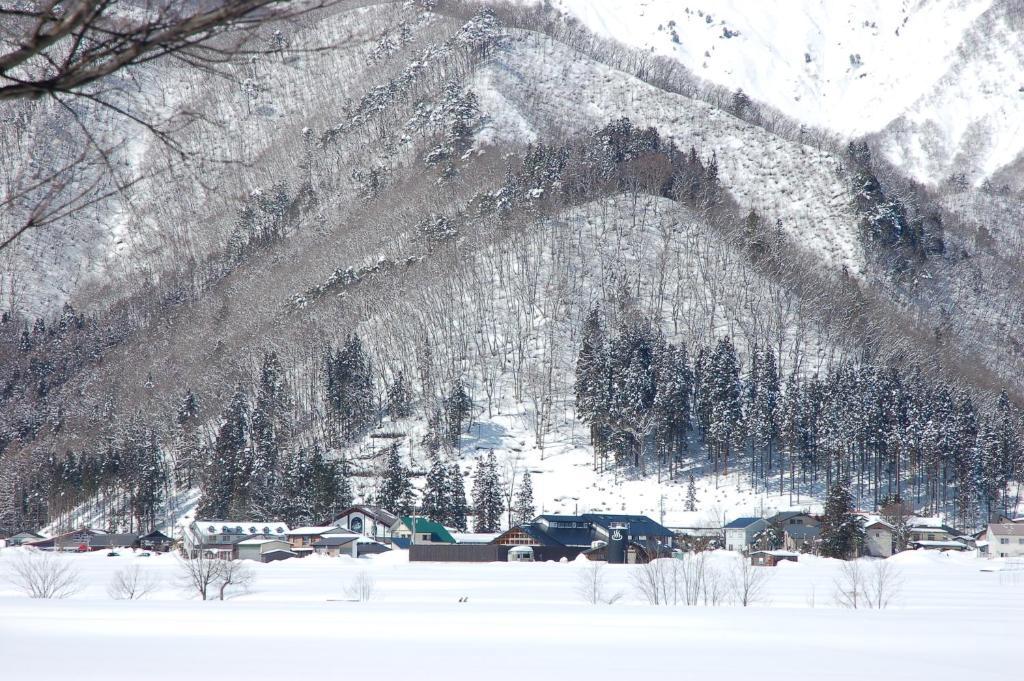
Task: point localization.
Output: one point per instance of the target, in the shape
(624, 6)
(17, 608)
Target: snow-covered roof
(474, 537)
(313, 530)
(934, 522)
(1007, 529)
(929, 544)
(255, 541)
(240, 527)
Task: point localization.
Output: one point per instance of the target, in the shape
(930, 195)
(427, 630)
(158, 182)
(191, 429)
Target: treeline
(893, 434)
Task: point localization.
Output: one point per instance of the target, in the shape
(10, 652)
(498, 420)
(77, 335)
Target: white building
(740, 533)
(220, 536)
(1006, 540)
(878, 539)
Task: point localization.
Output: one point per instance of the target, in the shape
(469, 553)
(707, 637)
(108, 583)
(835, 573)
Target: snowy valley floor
(953, 619)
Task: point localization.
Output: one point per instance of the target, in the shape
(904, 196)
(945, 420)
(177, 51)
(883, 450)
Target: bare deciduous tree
(234, 574)
(362, 588)
(849, 586)
(70, 52)
(592, 586)
(747, 582)
(200, 574)
(883, 585)
(131, 583)
(40, 574)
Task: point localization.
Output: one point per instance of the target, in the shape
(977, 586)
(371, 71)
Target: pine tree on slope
(524, 510)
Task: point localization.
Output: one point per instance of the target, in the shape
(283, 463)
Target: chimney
(618, 541)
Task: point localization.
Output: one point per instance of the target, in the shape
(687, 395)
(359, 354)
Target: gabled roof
(258, 541)
(534, 531)
(786, 515)
(554, 517)
(376, 512)
(742, 523)
(156, 534)
(423, 525)
(879, 524)
(335, 540)
(639, 525)
(27, 535)
(1007, 529)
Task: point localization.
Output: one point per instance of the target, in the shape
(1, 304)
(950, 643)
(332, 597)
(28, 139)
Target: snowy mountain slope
(941, 78)
(797, 184)
(971, 121)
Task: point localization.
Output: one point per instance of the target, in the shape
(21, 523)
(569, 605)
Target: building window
(1004, 540)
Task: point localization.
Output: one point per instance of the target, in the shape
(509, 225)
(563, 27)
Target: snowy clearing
(519, 618)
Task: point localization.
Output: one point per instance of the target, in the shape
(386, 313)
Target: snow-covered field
(950, 620)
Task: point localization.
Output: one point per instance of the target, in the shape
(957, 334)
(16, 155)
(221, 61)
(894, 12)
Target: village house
(263, 550)
(1006, 540)
(303, 538)
(219, 537)
(929, 530)
(561, 537)
(740, 533)
(370, 521)
(348, 544)
(799, 531)
(75, 540)
(24, 538)
(156, 541)
(419, 530)
(878, 541)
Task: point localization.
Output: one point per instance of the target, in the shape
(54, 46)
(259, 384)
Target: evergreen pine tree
(593, 392)
(187, 457)
(226, 477)
(458, 506)
(349, 389)
(691, 494)
(842, 530)
(394, 492)
(523, 509)
(437, 493)
(488, 504)
(399, 398)
(459, 409)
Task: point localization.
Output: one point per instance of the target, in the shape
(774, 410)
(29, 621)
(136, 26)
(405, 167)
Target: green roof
(424, 525)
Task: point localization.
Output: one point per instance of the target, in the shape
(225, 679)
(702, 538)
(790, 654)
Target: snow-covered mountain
(461, 188)
(939, 81)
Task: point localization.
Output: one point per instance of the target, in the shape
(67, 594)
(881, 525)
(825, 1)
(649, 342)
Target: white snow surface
(944, 76)
(518, 617)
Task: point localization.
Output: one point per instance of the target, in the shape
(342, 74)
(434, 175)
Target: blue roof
(639, 525)
(740, 523)
(554, 517)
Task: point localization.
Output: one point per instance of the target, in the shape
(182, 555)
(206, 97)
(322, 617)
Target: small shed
(263, 550)
(772, 558)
